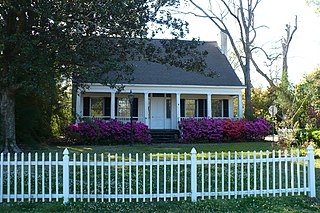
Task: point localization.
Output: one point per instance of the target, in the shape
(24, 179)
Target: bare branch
(270, 81)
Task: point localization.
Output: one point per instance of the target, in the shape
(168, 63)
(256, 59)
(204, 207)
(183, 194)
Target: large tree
(46, 42)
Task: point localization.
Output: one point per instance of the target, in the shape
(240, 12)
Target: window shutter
(86, 106)
(202, 108)
(182, 107)
(116, 107)
(225, 108)
(135, 107)
(107, 106)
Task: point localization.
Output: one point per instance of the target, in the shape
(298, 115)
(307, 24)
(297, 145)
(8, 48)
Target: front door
(157, 113)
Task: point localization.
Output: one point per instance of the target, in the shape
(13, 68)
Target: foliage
(101, 132)
(44, 43)
(218, 130)
(315, 4)
(308, 135)
(261, 101)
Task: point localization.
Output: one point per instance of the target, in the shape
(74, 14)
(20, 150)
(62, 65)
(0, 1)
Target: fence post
(311, 172)
(65, 176)
(193, 175)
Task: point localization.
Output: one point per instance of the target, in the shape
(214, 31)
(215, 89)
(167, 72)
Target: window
(96, 106)
(191, 108)
(216, 108)
(168, 108)
(123, 107)
(220, 108)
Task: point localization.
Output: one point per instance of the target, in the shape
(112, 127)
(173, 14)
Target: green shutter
(107, 106)
(225, 108)
(86, 106)
(135, 107)
(182, 107)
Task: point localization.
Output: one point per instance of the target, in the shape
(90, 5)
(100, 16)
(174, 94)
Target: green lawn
(258, 204)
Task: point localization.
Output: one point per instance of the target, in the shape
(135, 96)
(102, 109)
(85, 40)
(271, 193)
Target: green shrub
(308, 135)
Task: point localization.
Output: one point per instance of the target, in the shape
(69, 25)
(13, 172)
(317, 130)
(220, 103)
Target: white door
(157, 113)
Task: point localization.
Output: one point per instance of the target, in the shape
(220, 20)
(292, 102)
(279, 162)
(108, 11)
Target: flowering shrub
(107, 132)
(217, 130)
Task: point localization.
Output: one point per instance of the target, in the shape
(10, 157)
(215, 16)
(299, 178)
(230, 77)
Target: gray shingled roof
(154, 73)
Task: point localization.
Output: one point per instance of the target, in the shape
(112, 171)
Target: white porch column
(209, 112)
(146, 108)
(113, 105)
(78, 106)
(240, 106)
(231, 107)
(178, 109)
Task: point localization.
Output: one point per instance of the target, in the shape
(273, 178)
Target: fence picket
(178, 177)
(123, 187)
(235, 174)
(102, 177)
(164, 176)
(286, 171)
(88, 177)
(50, 176)
(43, 179)
(202, 175)
(222, 172)
(168, 177)
(137, 177)
(273, 173)
(242, 174)
(144, 177)
(255, 173)
(248, 173)
(171, 176)
(130, 177)
(57, 176)
(267, 166)
(298, 173)
(116, 177)
(95, 176)
(15, 176)
(216, 175)
(1, 178)
(22, 178)
(209, 175)
(151, 164)
(185, 176)
(74, 178)
(292, 173)
(29, 177)
(280, 178)
(229, 175)
(36, 177)
(81, 177)
(261, 174)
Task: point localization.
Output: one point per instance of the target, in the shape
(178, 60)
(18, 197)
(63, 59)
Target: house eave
(153, 88)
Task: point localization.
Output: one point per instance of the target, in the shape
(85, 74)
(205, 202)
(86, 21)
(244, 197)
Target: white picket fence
(143, 177)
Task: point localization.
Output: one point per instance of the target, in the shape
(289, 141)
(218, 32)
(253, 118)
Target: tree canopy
(46, 42)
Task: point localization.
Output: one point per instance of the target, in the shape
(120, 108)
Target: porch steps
(164, 135)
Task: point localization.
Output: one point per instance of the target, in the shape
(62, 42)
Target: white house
(163, 94)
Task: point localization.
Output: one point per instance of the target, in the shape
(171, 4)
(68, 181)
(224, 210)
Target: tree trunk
(8, 124)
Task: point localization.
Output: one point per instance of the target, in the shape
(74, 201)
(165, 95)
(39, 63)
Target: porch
(159, 108)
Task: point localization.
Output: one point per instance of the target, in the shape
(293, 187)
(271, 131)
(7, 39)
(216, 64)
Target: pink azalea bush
(219, 130)
(106, 132)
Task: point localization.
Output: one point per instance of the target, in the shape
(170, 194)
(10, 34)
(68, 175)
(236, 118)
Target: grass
(251, 204)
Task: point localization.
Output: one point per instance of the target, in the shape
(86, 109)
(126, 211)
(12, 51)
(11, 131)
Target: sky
(304, 52)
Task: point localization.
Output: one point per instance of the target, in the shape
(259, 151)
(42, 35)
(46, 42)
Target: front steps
(164, 135)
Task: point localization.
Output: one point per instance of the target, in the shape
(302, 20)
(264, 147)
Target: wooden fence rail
(151, 177)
